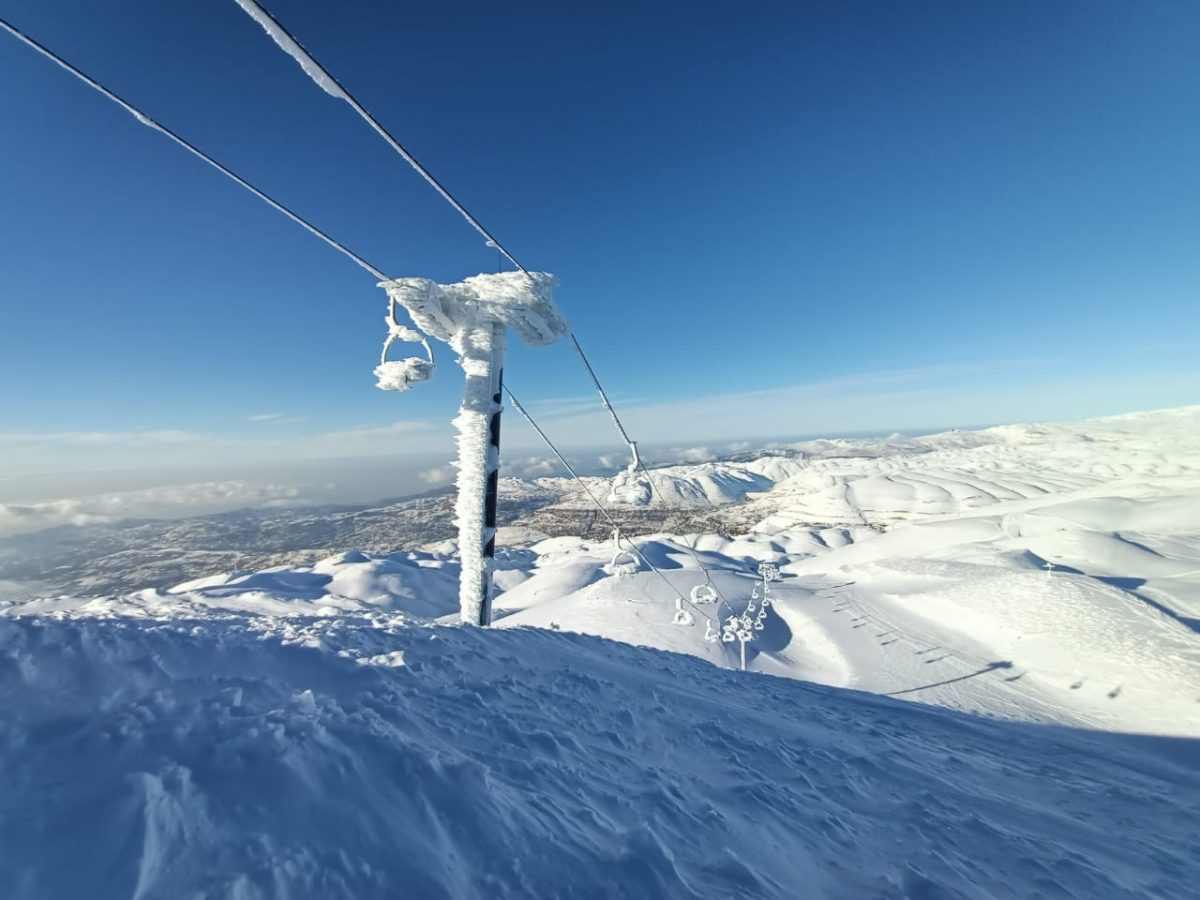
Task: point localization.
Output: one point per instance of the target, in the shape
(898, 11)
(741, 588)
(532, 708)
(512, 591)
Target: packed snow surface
(1027, 598)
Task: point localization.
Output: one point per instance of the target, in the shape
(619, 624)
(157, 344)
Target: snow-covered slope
(306, 731)
(954, 608)
(357, 756)
(959, 472)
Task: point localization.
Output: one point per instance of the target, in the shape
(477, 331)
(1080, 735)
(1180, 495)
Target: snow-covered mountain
(1040, 584)
(873, 482)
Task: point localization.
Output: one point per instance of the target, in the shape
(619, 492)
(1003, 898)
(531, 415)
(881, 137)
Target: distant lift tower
(472, 317)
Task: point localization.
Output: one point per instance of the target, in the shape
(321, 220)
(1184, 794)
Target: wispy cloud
(21, 439)
(374, 433)
(167, 501)
(884, 401)
(893, 400)
(28, 452)
(520, 467)
(692, 454)
(439, 475)
(558, 407)
(535, 467)
(277, 418)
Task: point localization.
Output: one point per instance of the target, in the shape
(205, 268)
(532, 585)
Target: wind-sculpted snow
(952, 613)
(1132, 652)
(884, 482)
(958, 472)
(359, 756)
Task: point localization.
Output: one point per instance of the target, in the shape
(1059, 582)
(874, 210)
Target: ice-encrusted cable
(190, 147)
(325, 80)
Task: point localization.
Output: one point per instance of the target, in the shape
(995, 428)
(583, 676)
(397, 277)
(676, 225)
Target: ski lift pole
(473, 316)
(478, 427)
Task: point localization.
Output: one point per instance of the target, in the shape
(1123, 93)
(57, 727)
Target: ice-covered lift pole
(470, 316)
(473, 316)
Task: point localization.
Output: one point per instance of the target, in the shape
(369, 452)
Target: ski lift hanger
(402, 374)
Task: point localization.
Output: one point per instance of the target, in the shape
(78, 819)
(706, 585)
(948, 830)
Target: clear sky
(768, 220)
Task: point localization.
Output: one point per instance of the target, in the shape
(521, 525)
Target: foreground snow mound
(360, 756)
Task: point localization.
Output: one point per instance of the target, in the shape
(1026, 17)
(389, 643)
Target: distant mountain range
(870, 482)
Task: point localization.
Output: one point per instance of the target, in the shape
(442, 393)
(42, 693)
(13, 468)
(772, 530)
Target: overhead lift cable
(189, 146)
(325, 80)
(328, 83)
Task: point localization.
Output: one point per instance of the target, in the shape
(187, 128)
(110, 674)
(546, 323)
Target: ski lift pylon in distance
(631, 486)
(768, 571)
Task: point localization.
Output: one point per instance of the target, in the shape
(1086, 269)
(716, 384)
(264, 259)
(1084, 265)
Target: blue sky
(795, 219)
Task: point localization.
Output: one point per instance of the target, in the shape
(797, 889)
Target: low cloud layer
(174, 500)
(909, 400)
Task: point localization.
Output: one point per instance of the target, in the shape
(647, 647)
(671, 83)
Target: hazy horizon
(35, 501)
